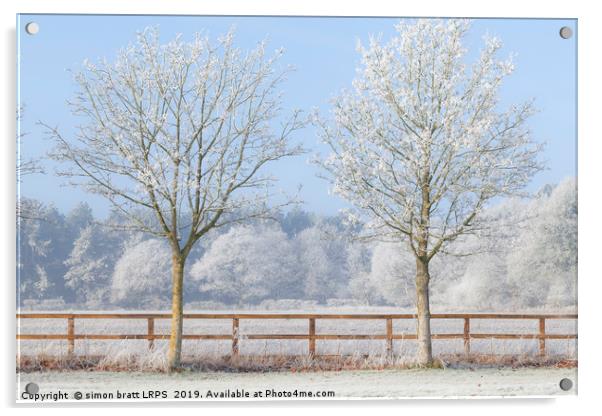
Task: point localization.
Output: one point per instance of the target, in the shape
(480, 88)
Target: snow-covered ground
(345, 384)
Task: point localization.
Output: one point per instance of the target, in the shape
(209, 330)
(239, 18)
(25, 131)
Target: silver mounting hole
(32, 388)
(32, 28)
(566, 32)
(566, 384)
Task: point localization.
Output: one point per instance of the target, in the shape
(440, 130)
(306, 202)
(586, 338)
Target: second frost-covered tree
(420, 144)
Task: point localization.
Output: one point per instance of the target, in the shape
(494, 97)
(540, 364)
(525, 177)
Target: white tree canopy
(89, 265)
(248, 264)
(322, 257)
(180, 129)
(420, 144)
(543, 264)
(142, 271)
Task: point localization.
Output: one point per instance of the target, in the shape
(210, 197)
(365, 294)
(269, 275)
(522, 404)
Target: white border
(589, 173)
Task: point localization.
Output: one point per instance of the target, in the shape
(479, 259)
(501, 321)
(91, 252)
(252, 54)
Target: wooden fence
(71, 336)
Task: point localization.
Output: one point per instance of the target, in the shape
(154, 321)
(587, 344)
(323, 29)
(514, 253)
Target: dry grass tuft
(508, 360)
(154, 361)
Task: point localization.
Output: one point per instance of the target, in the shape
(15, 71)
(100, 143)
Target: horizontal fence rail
(311, 336)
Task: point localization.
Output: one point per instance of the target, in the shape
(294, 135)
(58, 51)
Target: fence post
(151, 333)
(542, 334)
(466, 336)
(70, 335)
(389, 337)
(312, 337)
(235, 331)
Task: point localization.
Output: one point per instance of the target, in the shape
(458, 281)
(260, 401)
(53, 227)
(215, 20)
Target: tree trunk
(175, 340)
(425, 349)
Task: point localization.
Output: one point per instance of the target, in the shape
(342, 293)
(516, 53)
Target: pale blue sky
(323, 52)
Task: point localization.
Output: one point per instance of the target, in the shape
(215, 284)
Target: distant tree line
(301, 258)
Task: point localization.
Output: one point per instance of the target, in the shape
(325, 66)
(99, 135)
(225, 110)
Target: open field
(377, 384)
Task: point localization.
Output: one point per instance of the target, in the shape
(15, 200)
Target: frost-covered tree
(43, 243)
(483, 286)
(141, 273)
(543, 264)
(420, 144)
(90, 264)
(79, 217)
(529, 261)
(390, 277)
(295, 221)
(249, 264)
(360, 287)
(480, 279)
(322, 258)
(181, 130)
(390, 274)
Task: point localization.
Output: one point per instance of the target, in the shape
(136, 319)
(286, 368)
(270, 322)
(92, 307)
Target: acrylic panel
(295, 208)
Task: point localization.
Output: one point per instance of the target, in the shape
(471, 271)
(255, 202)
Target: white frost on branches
(143, 271)
(183, 129)
(248, 264)
(89, 266)
(419, 144)
(543, 268)
(322, 256)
